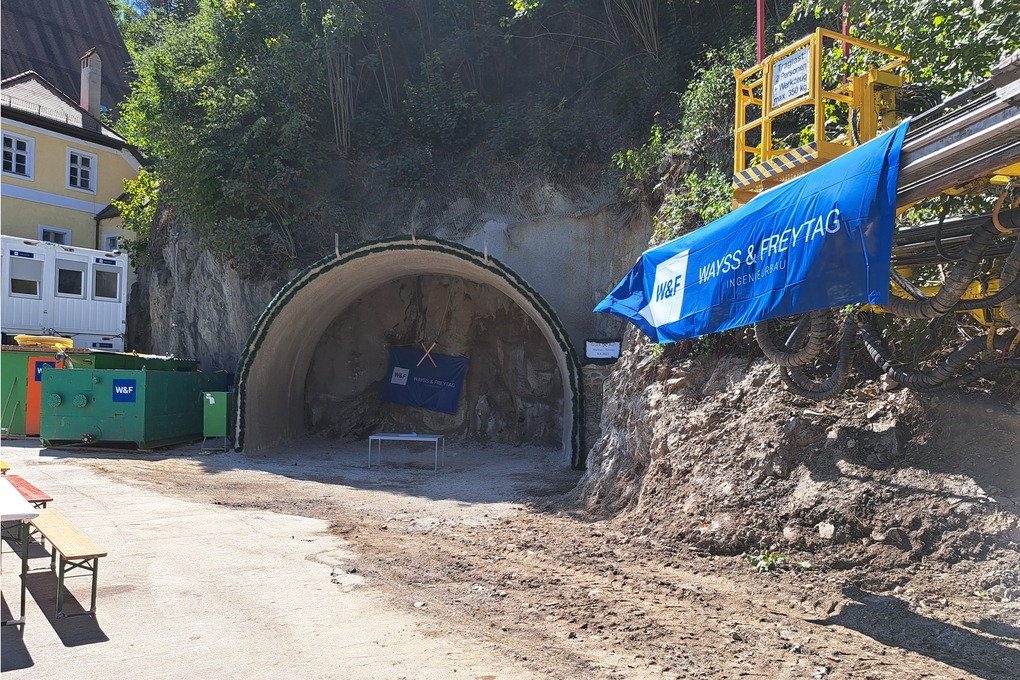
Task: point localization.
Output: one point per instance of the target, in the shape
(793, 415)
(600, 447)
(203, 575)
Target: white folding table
(14, 508)
(436, 439)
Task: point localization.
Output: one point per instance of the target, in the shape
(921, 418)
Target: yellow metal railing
(801, 88)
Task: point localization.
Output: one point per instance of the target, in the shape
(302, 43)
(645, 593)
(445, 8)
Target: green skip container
(149, 409)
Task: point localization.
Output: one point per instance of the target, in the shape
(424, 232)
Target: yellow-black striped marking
(784, 162)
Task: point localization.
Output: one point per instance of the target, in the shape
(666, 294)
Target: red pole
(761, 31)
(846, 30)
(846, 45)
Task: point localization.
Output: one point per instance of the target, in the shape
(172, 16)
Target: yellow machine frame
(759, 160)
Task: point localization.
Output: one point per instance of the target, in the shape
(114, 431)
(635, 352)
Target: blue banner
(821, 240)
(412, 379)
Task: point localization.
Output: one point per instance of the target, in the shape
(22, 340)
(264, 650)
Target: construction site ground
(302, 562)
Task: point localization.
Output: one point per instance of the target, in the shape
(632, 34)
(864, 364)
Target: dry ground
(491, 548)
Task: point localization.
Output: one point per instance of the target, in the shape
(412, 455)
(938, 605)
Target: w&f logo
(668, 288)
(667, 291)
(124, 390)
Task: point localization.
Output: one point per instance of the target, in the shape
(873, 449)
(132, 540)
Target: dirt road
(490, 556)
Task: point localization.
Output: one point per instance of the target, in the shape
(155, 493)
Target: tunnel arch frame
(477, 267)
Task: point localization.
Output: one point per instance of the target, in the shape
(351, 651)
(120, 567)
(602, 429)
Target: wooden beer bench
(75, 550)
(30, 493)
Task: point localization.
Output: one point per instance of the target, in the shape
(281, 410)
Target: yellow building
(62, 167)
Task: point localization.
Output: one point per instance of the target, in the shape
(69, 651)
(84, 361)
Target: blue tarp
(821, 240)
(416, 382)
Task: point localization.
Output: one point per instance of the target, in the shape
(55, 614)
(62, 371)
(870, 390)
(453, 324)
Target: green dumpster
(147, 408)
(21, 388)
(138, 362)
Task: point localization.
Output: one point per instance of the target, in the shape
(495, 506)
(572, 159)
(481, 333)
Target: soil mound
(878, 481)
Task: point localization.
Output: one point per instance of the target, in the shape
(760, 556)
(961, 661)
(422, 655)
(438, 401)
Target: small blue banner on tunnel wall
(433, 381)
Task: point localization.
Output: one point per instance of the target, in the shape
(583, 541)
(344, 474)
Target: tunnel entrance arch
(272, 372)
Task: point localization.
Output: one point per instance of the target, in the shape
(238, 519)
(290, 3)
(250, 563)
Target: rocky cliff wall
(571, 246)
(190, 304)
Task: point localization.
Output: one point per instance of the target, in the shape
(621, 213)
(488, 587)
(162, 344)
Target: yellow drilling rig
(954, 280)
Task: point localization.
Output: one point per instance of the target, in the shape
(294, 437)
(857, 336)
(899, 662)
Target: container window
(107, 285)
(70, 278)
(26, 275)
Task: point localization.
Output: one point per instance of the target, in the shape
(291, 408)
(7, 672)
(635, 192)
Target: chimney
(91, 81)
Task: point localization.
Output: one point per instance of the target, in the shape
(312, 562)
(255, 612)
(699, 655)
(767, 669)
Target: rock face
(571, 246)
(512, 393)
(717, 454)
(189, 304)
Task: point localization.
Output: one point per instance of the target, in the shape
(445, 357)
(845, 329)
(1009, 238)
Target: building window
(71, 278)
(111, 242)
(55, 235)
(26, 276)
(107, 283)
(18, 155)
(81, 170)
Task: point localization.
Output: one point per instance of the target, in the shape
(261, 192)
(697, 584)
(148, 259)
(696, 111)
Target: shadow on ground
(469, 474)
(889, 620)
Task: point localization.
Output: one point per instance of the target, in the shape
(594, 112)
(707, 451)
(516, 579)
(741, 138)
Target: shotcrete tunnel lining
(272, 372)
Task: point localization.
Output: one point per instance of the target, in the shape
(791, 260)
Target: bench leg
(60, 586)
(66, 566)
(23, 536)
(23, 544)
(95, 581)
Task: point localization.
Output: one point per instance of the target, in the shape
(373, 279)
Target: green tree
(952, 43)
(226, 103)
(138, 213)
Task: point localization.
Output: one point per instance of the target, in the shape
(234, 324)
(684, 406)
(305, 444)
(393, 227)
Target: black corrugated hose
(1011, 274)
(942, 376)
(960, 278)
(800, 384)
(813, 324)
(1009, 285)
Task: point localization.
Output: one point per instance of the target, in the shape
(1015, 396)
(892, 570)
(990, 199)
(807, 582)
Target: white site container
(52, 289)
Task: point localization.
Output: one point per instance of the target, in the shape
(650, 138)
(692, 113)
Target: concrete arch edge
(264, 344)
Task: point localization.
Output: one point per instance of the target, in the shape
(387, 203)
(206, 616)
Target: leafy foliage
(768, 560)
(439, 109)
(138, 213)
(705, 128)
(698, 200)
(642, 167)
(952, 43)
(226, 103)
(256, 114)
